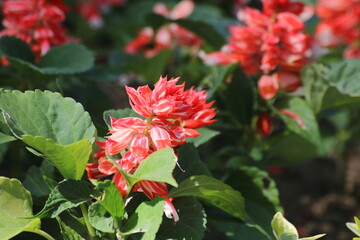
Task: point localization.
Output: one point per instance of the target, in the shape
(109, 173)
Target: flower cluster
(340, 24)
(272, 41)
(171, 115)
(37, 22)
(91, 10)
(167, 36)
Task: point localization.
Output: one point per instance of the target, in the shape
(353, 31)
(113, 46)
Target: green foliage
(15, 209)
(206, 135)
(64, 59)
(68, 194)
(147, 219)
(214, 192)
(284, 230)
(354, 227)
(68, 233)
(100, 219)
(191, 224)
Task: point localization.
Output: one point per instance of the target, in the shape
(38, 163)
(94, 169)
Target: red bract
(340, 21)
(264, 124)
(172, 114)
(271, 40)
(91, 10)
(168, 36)
(37, 22)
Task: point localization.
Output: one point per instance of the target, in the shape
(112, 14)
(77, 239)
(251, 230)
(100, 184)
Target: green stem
(90, 229)
(42, 233)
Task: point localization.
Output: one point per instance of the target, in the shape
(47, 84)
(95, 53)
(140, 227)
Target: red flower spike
(288, 81)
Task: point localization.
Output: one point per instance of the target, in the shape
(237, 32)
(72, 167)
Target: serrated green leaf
(191, 224)
(158, 167)
(283, 229)
(67, 59)
(119, 113)
(147, 219)
(66, 195)
(304, 112)
(15, 205)
(70, 160)
(206, 135)
(100, 219)
(46, 114)
(214, 192)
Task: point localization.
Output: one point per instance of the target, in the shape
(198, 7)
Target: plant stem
(43, 234)
(90, 229)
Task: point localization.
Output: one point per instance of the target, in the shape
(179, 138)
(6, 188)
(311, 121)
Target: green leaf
(240, 97)
(344, 76)
(304, 112)
(15, 205)
(70, 160)
(147, 219)
(217, 77)
(315, 84)
(119, 113)
(34, 180)
(206, 135)
(112, 200)
(313, 237)
(15, 48)
(4, 138)
(67, 59)
(68, 194)
(68, 233)
(214, 192)
(46, 114)
(283, 229)
(191, 224)
(354, 227)
(190, 163)
(100, 219)
(158, 167)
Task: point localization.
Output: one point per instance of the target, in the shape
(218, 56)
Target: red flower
(167, 36)
(37, 22)
(172, 113)
(272, 40)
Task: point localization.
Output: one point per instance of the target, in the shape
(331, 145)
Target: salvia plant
(168, 119)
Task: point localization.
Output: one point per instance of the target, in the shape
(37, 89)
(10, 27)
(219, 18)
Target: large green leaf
(100, 219)
(66, 195)
(15, 206)
(147, 219)
(158, 167)
(345, 75)
(4, 138)
(189, 163)
(240, 97)
(315, 84)
(70, 160)
(68, 233)
(67, 59)
(34, 180)
(214, 192)
(46, 114)
(112, 200)
(15, 48)
(310, 130)
(191, 224)
(64, 59)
